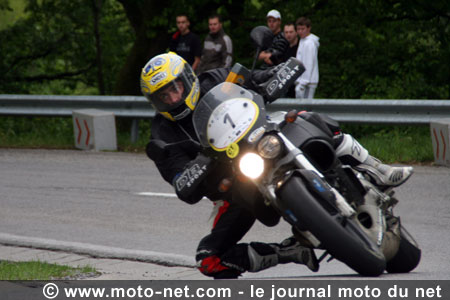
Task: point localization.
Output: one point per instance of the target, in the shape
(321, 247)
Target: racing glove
(261, 76)
(187, 184)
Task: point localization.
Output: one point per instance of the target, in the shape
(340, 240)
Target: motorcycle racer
(174, 90)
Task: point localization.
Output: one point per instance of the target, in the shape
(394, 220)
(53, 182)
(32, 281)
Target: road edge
(98, 251)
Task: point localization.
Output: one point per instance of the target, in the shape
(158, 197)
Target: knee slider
(210, 265)
(228, 265)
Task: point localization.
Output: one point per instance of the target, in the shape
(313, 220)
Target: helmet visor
(173, 94)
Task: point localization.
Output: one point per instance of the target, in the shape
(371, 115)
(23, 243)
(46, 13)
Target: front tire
(341, 237)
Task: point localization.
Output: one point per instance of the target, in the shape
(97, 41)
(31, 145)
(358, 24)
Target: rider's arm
(188, 183)
(187, 175)
(278, 49)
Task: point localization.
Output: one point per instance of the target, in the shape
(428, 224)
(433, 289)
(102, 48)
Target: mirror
(262, 36)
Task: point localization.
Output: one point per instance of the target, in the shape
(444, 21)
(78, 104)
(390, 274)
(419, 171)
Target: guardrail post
(134, 130)
(440, 136)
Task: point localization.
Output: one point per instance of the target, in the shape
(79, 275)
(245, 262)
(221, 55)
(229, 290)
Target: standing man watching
(185, 43)
(218, 47)
(307, 53)
(276, 53)
(291, 36)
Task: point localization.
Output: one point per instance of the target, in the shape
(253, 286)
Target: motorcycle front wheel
(340, 236)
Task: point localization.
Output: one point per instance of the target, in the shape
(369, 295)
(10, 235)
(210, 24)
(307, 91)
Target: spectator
(276, 53)
(217, 48)
(186, 43)
(291, 36)
(307, 53)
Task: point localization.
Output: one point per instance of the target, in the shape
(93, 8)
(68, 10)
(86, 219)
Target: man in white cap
(276, 53)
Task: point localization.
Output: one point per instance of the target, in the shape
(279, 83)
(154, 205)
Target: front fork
(296, 156)
(302, 162)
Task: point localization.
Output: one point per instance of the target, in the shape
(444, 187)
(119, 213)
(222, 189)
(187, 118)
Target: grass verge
(401, 144)
(58, 133)
(395, 144)
(36, 270)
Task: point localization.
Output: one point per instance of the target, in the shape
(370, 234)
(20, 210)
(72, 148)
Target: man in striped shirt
(276, 53)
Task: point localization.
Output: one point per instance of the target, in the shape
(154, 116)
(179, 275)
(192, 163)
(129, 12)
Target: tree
(150, 39)
(369, 49)
(57, 49)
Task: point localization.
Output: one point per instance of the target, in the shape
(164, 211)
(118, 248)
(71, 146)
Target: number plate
(230, 122)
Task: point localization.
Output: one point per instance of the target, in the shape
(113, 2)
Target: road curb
(98, 251)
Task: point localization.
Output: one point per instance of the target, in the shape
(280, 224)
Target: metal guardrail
(62, 106)
(371, 111)
(343, 110)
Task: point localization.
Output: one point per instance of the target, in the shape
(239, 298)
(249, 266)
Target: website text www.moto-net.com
(51, 291)
(268, 290)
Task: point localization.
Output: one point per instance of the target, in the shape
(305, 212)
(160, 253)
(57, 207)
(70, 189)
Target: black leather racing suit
(218, 255)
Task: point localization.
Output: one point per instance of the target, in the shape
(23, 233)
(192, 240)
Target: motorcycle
(286, 167)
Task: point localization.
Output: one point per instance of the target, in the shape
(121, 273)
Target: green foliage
(395, 144)
(369, 49)
(58, 133)
(10, 12)
(55, 43)
(36, 132)
(406, 144)
(383, 50)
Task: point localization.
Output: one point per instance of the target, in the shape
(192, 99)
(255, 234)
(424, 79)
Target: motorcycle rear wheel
(340, 236)
(408, 255)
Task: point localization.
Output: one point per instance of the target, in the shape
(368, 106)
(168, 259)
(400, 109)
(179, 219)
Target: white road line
(163, 195)
(150, 194)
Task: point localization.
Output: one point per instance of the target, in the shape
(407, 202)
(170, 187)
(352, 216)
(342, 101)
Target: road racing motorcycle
(286, 167)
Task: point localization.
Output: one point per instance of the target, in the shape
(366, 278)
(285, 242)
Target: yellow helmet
(170, 84)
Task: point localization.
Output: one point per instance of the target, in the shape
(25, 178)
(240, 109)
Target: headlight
(269, 146)
(251, 165)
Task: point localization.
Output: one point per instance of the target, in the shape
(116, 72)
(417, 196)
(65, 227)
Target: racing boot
(263, 256)
(383, 174)
(350, 152)
(290, 250)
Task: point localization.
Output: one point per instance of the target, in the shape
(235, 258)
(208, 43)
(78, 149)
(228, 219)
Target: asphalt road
(96, 198)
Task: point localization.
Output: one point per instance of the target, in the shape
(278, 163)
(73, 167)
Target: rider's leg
(350, 152)
(263, 256)
(219, 255)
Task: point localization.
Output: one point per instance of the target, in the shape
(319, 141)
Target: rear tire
(408, 255)
(341, 237)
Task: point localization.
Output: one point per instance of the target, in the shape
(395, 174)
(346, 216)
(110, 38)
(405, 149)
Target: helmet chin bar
(185, 111)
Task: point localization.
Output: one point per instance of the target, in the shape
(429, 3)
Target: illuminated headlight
(269, 146)
(251, 165)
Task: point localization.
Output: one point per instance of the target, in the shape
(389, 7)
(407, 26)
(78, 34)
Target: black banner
(227, 289)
